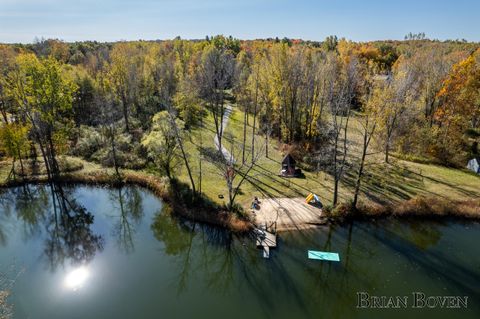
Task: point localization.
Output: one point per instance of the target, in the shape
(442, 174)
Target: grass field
(382, 183)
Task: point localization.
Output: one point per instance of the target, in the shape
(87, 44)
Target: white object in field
(474, 165)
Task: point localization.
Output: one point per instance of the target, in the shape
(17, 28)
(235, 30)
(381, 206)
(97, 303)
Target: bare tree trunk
(266, 143)
(218, 113)
(220, 133)
(335, 170)
(387, 151)
(339, 174)
(367, 136)
(114, 151)
(244, 135)
(184, 155)
(253, 129)
(125, 113)
(11, 175)
(21, 162)
(292, 108)
(390, 129)
(54, 167)
(200, 159)
(4, 115)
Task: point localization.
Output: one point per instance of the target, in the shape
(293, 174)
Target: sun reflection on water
(76, 278)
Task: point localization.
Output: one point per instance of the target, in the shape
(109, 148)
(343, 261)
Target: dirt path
(225, 152)
(288, 213)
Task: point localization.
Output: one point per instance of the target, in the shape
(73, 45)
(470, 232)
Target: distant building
(382, 77)
(474, 165)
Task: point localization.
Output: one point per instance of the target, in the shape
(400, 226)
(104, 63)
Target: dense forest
(132, 104)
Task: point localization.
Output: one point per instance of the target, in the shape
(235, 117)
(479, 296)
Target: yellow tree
(14, 142)
(43, 94)
(373, 107)
(460, 95)
(459, 107)
(125, 73)
(7, 62)
(162, 144)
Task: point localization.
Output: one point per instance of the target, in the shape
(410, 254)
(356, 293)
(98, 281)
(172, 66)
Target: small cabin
(474, 165)
(288, 167)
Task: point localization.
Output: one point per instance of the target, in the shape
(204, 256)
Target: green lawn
(396, 181)
(399, 180)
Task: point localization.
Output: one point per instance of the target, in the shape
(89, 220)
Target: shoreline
(417, 208)
(158, 186)
(422, 208)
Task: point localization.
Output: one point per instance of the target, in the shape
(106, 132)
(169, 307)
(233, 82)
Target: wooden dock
(265, 241)
(288, 213)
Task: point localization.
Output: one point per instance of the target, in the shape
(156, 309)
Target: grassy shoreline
(161, 187)
(418, 207)
(209, 212)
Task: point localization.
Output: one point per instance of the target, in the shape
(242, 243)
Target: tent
(288, 166)
(313, 199)
(474, 165)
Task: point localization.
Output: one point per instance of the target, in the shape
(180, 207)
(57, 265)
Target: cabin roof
(289, 160)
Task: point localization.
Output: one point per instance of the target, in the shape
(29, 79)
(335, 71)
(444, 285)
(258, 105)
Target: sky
(358, 20)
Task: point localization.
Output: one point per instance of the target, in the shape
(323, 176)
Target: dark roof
(289, 160)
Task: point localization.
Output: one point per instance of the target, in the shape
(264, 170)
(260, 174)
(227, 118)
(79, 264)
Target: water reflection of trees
(211, 251)
(68, 228)
(31, 207)
(173, 233)
(29, 202)
(67, 225)
(129, 205)
(423, 235)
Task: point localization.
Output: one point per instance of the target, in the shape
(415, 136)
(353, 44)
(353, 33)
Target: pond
(90, 252)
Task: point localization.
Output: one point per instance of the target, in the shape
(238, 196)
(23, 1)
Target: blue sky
(360, 20)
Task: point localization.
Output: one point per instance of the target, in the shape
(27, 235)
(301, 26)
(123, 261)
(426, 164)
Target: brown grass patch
(423, 207)
(160, 186)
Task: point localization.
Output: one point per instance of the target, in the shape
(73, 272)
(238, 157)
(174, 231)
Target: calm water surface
(116, 253)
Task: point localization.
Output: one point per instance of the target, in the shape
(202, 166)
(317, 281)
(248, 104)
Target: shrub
(89, 142)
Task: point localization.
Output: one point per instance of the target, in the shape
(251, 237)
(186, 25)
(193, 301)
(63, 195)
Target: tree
(14, 141)
(374, 106)
(109, 116)
(459, 108)
(330, 43)
(430, 68)
(460, 95)
(7, 63)
(160, 81)
(84, 104)
(265, 101)
(340, 109)
(287, 70)
(214, 76)
(124, 75)
(179, 138)
(161, 143)
(234, 174)
(242, 92)
(254, 83)
(44, 97)
(399, 92)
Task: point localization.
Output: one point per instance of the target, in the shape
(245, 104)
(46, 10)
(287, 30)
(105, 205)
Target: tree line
(128, 104)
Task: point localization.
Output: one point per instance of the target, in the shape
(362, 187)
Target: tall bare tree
(340, 109)
(214, 77)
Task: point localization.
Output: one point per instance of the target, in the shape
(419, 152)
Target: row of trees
(417, 98)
